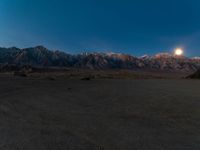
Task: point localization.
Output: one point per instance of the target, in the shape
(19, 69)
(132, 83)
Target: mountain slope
(42, 57)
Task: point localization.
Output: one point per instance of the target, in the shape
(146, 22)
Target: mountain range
(42, 57)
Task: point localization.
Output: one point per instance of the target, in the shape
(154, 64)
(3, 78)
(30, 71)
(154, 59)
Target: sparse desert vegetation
(87, 74)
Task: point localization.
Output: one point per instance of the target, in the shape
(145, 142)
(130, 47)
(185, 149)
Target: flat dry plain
(99, 114)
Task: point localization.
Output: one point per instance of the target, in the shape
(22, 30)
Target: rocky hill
(195, 75)
(42, 57)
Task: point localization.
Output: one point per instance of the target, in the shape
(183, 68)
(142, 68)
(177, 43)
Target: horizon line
(98, 51)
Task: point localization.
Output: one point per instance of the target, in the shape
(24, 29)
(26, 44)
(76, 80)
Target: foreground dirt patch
(99, 114)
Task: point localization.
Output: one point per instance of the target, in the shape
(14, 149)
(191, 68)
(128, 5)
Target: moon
(178, 52)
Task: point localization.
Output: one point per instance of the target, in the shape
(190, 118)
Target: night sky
(135, 27)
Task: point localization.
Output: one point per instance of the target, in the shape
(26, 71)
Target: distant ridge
(40, 56)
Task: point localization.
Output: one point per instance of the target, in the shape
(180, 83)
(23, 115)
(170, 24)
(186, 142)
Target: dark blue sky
(128, 26)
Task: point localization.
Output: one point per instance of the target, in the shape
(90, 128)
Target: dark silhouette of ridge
(195, 75)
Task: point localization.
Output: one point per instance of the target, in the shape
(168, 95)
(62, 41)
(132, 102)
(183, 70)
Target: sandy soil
(100, 114)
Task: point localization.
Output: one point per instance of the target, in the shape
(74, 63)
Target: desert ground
(99, 114)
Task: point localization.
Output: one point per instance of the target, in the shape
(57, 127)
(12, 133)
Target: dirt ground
(99, 114)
